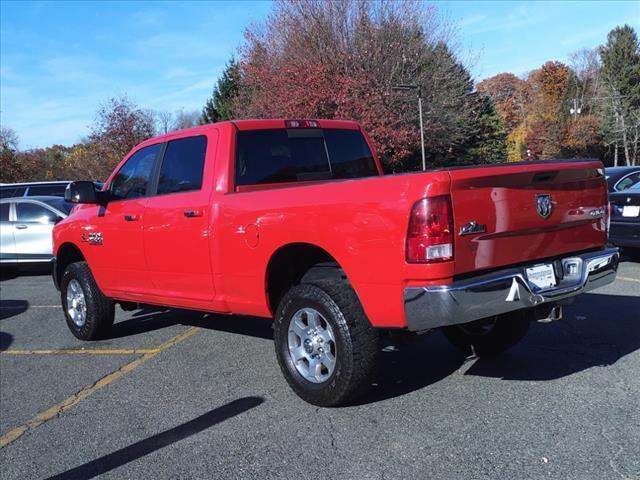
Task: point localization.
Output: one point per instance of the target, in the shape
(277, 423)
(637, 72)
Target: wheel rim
(76, 303)
(312, 345)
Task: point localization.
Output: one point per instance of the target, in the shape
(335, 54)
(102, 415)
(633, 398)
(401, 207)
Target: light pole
(418, 88)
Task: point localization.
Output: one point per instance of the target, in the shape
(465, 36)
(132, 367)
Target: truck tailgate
(526, 212)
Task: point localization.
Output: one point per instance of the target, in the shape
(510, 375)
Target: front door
(176, 224)
(117, 234)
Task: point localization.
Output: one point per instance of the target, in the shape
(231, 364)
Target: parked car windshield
(290, 155)
(60, 204)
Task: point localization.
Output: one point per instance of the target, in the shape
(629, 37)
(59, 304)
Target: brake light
(430, 235)
(301, 124)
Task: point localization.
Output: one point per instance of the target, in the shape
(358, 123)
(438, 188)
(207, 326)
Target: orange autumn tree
(341, 58)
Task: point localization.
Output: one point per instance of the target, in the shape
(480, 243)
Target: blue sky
(60, 61)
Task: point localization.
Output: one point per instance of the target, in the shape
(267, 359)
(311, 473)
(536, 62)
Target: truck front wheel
(325, 345)
(88, 312)
(489, 337)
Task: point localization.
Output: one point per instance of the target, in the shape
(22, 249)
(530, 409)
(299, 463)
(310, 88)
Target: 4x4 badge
(544, 205)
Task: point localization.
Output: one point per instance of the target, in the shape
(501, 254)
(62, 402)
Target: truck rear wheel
(88, 312)
(325, 345)
(489, 337)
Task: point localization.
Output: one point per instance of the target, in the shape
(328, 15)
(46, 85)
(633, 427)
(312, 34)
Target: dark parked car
(625, 217)
(31, 189)
(26, 224)
(621, 178)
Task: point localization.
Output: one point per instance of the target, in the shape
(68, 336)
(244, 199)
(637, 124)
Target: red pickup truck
(295, 220)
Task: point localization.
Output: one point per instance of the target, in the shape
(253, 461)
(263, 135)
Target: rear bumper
(501, 292)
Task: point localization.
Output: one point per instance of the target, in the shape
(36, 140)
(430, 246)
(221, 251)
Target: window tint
(55, 190)
(30, 212)
(277, 156)
(183, 165)
(9, 192)
(350, 154)
(628, 182)
(132, 179)
(4, 212)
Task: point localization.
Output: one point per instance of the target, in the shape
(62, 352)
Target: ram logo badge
(544, 205)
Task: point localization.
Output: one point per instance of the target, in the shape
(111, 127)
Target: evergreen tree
(488, 142)
(219, 106)
(621, 73)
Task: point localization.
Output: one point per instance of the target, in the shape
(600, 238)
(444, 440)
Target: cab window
(132, 179)
(183, 165)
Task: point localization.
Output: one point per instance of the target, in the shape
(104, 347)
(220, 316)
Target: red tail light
(430, 235)
(301, 124)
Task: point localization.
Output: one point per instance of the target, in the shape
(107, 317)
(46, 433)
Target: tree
(340, 59)
(11, 170)
(119, 126)
(510, 96)
(620, 58)
(219, 106)
(487, 144)
(184, 120)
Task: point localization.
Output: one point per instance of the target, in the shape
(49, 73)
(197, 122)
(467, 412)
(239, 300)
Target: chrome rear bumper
(503, 291)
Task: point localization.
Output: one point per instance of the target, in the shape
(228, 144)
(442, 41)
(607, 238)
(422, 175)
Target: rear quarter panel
(361, 223)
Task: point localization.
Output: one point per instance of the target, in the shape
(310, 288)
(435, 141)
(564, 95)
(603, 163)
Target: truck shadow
(597, 331)
(147, 320)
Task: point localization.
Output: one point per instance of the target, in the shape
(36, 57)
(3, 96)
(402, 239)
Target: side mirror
(81, 192)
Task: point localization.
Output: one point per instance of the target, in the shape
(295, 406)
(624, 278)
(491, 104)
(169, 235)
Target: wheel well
(299, 263)
(68, 253)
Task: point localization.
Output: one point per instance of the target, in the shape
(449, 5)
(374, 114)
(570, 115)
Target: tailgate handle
(192, 213)
(544, 176)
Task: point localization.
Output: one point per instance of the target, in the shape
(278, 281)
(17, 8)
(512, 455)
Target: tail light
(430, 235)
(301, 124)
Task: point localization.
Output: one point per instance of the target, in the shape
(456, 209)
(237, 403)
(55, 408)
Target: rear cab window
(293, 155)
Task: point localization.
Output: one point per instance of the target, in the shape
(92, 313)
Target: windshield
(60, 204)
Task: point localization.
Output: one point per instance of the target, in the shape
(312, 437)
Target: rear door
(176, 223)
(511, 214)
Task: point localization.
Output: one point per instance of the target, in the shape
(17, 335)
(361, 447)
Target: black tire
(100, 310)
(356, 342)
(489, 337)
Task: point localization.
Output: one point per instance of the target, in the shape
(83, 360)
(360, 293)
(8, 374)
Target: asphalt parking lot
(177, 394)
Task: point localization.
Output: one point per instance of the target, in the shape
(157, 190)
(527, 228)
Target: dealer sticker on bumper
(541, 276)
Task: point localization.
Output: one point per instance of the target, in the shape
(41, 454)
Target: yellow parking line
(628, 279)
(18, 307)
(69, 402)
(83, 351)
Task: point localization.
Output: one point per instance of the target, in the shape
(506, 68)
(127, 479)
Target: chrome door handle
(21, 227)
(192, 213)
(132, 218)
